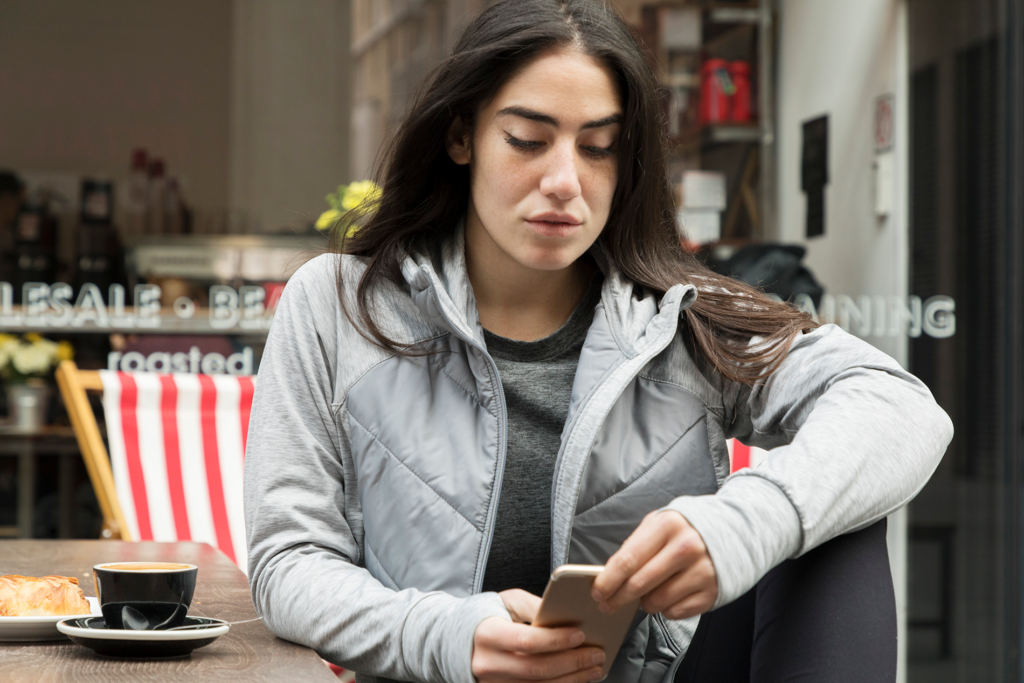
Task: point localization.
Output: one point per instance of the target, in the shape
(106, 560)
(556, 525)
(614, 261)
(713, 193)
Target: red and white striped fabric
(742, 455)
(177, 444)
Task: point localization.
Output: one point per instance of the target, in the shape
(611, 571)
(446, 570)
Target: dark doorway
(967, 230)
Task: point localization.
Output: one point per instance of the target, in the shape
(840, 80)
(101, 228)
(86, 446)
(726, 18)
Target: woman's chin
(550, 259)
(548, 256)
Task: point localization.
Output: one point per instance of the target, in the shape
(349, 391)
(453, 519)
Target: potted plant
(25, 364)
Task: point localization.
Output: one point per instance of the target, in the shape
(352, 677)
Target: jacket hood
(440, 287)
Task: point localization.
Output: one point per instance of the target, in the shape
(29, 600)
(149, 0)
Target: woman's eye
(522, 144)
(591, 151)
(598, 152)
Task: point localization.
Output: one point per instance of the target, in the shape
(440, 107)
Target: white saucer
(92, 632)
(99, 630)
(24, 629)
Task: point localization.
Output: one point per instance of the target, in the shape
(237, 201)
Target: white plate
(39, 628)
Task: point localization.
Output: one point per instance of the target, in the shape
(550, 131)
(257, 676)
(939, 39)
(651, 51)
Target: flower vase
(26, 404)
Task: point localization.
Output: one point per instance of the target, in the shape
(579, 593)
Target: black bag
(775, 268)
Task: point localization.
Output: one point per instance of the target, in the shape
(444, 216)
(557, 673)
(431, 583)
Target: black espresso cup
(145, 596)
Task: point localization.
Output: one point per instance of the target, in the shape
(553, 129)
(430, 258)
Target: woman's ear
(457, 141)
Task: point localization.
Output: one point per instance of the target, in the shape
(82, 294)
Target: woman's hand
(513, 651)
(665, 563)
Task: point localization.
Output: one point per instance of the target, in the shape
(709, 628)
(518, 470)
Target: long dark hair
(425, 193)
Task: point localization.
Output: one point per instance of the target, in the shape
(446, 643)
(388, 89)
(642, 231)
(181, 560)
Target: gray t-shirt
(537, 377)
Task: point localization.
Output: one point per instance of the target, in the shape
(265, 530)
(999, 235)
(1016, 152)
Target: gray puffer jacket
(372, 479)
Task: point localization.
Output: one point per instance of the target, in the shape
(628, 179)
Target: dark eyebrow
(606, 121)
(552, 121)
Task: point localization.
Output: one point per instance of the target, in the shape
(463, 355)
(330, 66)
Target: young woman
(513, 365)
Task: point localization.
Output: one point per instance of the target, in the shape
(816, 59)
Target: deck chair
(177, 444)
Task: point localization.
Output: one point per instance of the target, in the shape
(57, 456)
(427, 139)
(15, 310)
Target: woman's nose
(562, 177)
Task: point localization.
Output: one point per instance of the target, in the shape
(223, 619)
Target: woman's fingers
(691, 606)
(697, 585)
(683, 553)
(506, 651)
(643, 544)
(499, 634)
(521, 605)
(567, 665)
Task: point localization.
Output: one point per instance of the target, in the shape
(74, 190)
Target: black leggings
(829, 615)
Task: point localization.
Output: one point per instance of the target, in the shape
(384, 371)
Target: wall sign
(884, 166)
(194, 361)
(814, 173)
(885, 316)
(245, 309)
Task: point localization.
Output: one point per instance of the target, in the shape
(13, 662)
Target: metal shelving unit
(745, 152)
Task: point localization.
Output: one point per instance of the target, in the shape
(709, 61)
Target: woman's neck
(522, 303)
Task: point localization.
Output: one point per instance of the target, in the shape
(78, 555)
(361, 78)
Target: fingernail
(595, 675)
(604, 607)
(596, 594)
(577, 638)
(597, 658)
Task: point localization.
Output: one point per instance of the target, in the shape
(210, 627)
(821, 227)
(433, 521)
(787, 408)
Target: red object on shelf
(714, 101)
(139, 159)
(740, 110)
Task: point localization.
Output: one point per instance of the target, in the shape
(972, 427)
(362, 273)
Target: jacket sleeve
(304, 556)
(853, 437)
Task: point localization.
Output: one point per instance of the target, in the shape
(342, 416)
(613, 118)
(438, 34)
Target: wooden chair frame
(74, 384)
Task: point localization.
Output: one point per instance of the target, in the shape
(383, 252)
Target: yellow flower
(328, 219)
(359, 193)
(359, 196)
(33, 337)
(65, 351)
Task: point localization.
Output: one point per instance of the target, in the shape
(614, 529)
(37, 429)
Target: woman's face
(543, 161)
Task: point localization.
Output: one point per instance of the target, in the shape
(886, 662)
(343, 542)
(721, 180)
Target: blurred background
(164, 165)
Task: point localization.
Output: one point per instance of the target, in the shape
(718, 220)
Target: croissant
(28, 596)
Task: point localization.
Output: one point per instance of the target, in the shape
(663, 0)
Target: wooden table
(249, 652)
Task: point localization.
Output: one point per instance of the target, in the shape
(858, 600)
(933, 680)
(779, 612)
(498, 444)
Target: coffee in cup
(144, 596)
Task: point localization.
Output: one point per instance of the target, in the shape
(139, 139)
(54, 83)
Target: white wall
(83, 83)
(247, 100)
(290, 108)
(836, 58)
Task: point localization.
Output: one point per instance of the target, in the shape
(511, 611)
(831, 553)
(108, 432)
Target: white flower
(47, 347)
(8, 343)
(32, 359)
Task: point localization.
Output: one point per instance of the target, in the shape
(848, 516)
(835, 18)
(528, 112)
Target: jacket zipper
(650, 353)
(499, 468)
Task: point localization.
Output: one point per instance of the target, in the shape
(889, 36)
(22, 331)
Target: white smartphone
(567, 602)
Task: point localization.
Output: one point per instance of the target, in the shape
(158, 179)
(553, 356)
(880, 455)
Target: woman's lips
(554, 228)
